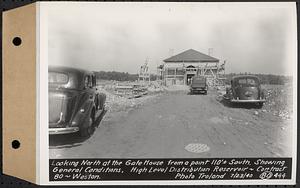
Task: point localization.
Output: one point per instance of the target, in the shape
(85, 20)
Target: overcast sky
(251, 37)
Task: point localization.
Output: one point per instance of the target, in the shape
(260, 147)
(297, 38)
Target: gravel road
(179, 125)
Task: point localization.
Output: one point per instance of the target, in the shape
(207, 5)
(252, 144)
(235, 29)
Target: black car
(245, 89)
(74, 101)
(199, 85)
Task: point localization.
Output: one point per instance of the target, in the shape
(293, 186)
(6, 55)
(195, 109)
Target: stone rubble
(116, 102)
(279, 101)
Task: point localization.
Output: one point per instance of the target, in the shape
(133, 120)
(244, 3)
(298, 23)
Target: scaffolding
(144, 75)
(182, 75)
(216, 74)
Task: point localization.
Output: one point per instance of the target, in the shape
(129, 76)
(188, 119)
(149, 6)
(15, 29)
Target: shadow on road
(71, 140)
(199, 93)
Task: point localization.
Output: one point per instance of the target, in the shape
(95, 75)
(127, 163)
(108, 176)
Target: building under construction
(179, 69)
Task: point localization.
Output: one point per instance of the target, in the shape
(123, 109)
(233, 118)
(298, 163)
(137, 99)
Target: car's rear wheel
(90, 128)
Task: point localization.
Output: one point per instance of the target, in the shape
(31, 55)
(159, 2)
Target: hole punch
(15, 144)
(17, 41)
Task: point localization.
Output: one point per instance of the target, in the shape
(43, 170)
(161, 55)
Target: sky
(251, 37)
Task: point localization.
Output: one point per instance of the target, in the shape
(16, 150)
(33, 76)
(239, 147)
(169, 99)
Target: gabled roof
(191, 56)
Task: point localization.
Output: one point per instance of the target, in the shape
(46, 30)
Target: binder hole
(17, 41)
(15, 144)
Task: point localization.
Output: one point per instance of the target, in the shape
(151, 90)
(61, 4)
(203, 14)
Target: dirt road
(165, 125)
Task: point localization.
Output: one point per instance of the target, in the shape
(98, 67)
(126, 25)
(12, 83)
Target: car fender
(83, 113)
(263, 93)
(229, 93)
(102, 99)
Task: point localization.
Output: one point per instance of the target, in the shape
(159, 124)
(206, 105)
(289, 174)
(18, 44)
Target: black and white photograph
(173, 81)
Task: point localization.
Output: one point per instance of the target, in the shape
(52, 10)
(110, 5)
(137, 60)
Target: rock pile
(279, 101)
(155, 87)
(115, 103)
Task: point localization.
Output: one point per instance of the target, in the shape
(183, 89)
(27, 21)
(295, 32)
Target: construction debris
(279, 101)
(123, 95)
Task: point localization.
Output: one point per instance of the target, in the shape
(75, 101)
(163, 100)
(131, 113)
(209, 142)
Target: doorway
(189, 78)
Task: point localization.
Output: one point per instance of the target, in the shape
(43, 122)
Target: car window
(247, 82)
(86, 81)
(59, 78)
(94, 80)
(90, 81)
(242, 81)
(199, 79)
(251, 82)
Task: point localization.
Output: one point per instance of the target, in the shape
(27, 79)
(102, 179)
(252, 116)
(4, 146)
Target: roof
(76, 76)
(191, 56)
(63, 69)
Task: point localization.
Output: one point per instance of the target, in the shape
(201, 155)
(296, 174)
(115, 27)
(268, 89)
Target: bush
(119, 76)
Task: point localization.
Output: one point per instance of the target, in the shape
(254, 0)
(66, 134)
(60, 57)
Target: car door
(95, 91)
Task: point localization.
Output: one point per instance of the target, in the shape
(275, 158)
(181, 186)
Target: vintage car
(245, 89)
(199, 85)
(74, 101)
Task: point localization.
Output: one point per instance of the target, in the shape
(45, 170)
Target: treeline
(264, 78)
(119, 76)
